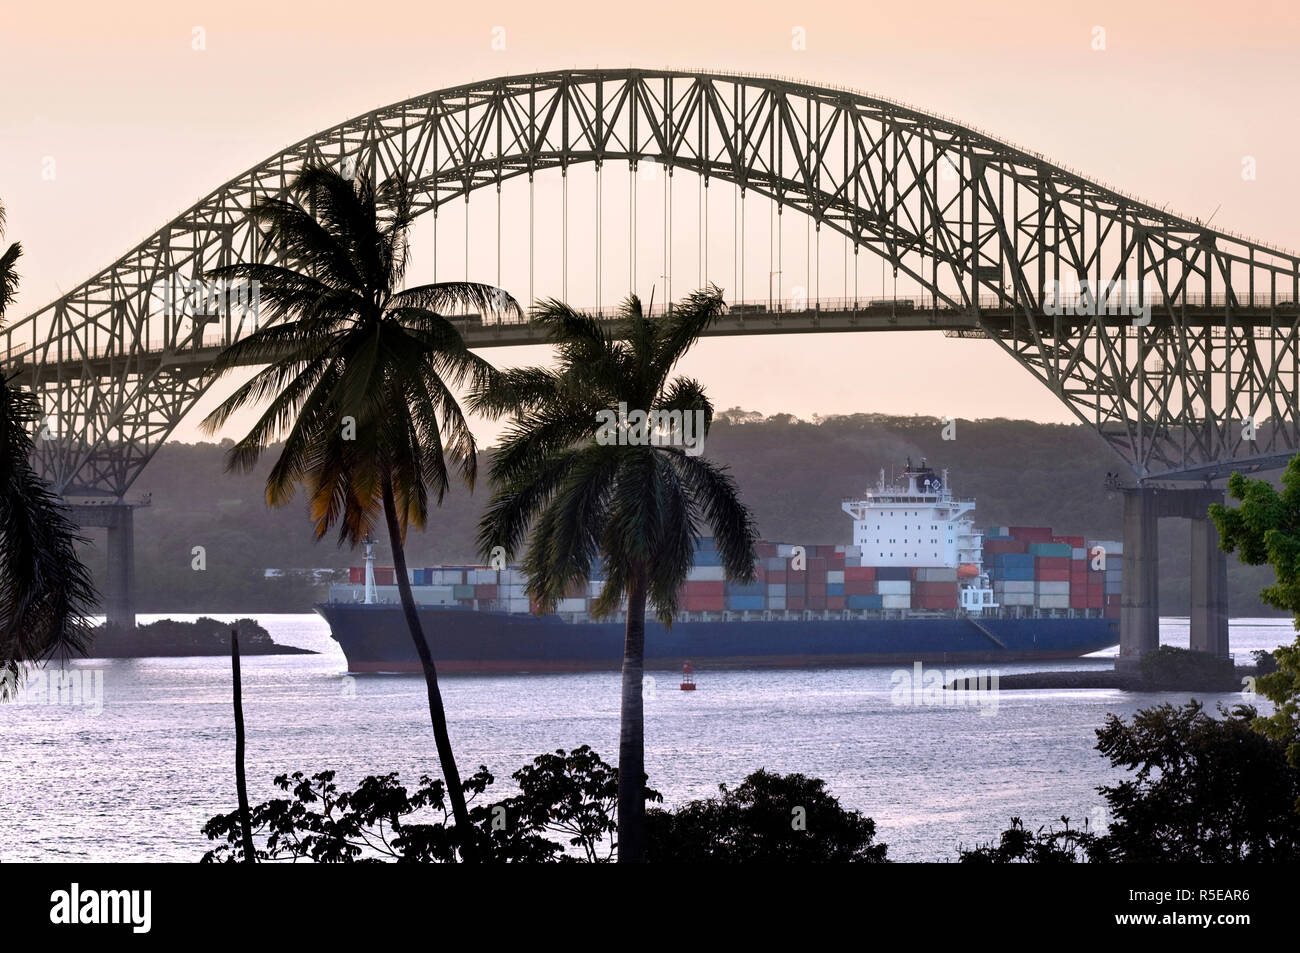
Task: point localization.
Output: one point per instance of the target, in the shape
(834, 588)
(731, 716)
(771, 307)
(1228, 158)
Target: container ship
(918, 582)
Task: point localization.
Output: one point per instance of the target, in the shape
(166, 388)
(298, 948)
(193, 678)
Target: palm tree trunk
(631, 739)
(436, 713)
(241, 783)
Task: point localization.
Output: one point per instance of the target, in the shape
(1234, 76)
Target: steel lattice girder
(984, 228)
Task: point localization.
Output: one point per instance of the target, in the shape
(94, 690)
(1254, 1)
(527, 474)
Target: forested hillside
(793, 473)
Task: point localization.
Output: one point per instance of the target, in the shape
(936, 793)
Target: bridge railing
(868, 306)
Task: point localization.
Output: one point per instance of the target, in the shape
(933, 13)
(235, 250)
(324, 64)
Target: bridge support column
(1139, 624)
(119, 600)
(1209, 590)
(1139, 620)
(118, 597)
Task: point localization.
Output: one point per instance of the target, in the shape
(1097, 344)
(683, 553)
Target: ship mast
(370, 571)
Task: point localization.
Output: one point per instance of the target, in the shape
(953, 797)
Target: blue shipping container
(745, 588)
(865, 602)
(707, 557)
(746, 602)
(893, 573)
(834, 588)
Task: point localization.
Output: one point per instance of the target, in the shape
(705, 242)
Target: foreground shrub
(769, 818)
(565, 799)
(1202, 790)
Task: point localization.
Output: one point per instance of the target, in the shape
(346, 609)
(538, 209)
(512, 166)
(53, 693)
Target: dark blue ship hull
(375, 638)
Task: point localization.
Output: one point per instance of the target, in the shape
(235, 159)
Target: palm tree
(45, 590)
(573, 489)
(360, 377)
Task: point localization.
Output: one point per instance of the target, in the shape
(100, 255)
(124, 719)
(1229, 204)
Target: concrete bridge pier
(1209, 589)
(119, 591)
(1139, 629)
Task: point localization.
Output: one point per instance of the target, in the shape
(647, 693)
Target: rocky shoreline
(1098, 678)
(168, 638)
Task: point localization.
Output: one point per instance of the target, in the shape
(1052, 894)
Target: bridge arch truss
(1000, 240)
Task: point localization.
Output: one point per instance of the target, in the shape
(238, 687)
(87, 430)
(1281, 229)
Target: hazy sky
(138, 125)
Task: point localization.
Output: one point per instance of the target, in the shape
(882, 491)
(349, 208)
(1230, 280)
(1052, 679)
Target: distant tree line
(792, 473)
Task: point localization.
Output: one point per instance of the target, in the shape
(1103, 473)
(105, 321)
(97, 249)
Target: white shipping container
(1113, 547)
(447, 577)
(835, 575)
(1053, 589)
(1054, 602)
(1018, 599)
(785, 550)
(775, 589)
(776, 602)
(1077, 553)
(571, 605)
(894, 587)
(706, 574)
(1017, 585)
(483, 577)
(518, 605)
(893, 601)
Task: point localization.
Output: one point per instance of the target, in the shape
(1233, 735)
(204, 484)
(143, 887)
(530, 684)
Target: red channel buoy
(688, 678)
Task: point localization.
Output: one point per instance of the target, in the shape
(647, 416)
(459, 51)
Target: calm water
(137, 780)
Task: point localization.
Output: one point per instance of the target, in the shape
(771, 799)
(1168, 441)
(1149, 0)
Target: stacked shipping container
(1028, 567)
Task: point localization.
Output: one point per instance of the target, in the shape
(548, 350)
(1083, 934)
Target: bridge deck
(748, 319)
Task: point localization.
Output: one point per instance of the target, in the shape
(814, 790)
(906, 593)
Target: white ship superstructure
(914, 521)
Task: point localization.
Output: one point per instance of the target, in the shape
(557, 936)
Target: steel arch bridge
(1002, 243)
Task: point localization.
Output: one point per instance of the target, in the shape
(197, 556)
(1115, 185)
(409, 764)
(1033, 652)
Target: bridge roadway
(829, 317)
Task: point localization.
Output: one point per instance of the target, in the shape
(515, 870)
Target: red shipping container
(794, 602)
(384, 577)
(816, 602)
(1078, 600)
(357, 574)
(1075, 542)
(765, 550)
(835, 561)
(816, 589)
(996, 546)
(1032, 534)
(817, 564)
(859, 574)
(760, 574)
(859, 587)
(488, 590)
(935, 602)
(776, 576)
(1095, 599)
(696, 588)
(703, 603)
(796, 575)
(1052, 562)
(1052, 575)
(834, 602)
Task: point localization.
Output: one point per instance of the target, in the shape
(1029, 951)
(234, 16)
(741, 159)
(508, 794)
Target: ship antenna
(370, 571)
